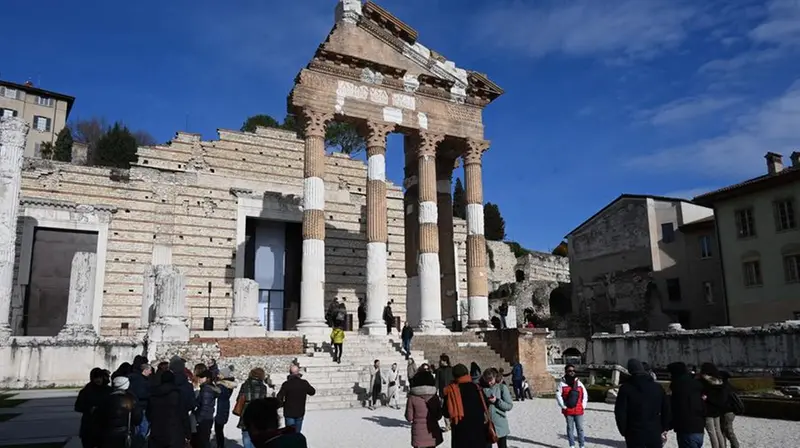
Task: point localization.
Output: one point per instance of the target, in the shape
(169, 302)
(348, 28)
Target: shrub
(597, 393)
(772, 408)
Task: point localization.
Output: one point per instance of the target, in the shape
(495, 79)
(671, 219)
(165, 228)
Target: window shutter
(49, 121)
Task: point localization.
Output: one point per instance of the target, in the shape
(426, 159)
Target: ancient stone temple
(259, 231)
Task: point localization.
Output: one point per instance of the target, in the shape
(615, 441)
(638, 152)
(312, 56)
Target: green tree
(493, 222)
(459, 200)
(63, 149)
(251, 123)
(46, 150)
(116, 148)
(345, 138)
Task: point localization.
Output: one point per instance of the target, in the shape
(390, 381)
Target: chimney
(795, 159)
(774, 162)
(28, 83)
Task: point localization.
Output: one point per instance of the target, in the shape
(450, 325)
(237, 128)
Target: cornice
(66, 205)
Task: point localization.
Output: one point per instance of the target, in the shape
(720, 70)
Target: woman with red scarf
(466, 409)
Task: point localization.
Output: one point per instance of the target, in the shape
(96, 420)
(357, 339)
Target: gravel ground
(534, 423)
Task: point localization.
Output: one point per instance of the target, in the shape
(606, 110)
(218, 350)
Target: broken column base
(168, 330)
(78, 333)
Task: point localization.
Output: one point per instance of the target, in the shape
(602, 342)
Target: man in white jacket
(572, 398)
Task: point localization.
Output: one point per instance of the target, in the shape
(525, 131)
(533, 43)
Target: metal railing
(269, 310)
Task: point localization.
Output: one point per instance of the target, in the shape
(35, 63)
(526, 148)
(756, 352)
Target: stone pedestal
(170, 298)
(13, 134)
(244, 322)
(81, 298)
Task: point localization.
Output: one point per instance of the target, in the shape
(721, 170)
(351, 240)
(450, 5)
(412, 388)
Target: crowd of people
(172, 406)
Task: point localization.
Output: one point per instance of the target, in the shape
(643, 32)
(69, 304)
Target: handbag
(238, 408)
(491, 432)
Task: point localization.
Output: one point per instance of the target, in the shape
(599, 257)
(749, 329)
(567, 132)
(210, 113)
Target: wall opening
(520, 276)
(560, 303)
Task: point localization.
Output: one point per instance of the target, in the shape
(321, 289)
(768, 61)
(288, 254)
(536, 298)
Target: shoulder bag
(491, 432)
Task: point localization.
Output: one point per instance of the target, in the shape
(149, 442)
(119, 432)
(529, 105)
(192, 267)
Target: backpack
(573, 396)
(736, 403)
(340, 315)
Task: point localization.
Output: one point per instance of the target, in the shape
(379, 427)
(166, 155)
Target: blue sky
(602, 97)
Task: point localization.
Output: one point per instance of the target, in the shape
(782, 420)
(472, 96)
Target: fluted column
(81, 298)
(428, 262)
(377, 227)
(411, 230)
(477, 281)
(312, 285)
(13, 134)
(244, 321)
(447, 255)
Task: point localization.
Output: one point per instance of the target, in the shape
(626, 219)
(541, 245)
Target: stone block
(622, 328)
(80, 305)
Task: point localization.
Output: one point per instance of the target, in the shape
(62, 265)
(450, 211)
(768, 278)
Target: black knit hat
(460, 370)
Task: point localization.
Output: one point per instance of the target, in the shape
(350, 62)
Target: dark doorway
(560, 303)
(47, 294)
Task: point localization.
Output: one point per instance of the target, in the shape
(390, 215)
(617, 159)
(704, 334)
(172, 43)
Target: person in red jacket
(572, 398)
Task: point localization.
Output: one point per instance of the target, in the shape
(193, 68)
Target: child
(526, 389)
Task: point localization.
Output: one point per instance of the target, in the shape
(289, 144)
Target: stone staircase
(462, 348)
(345, 385)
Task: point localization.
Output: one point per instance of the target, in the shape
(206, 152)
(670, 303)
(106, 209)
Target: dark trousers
(407, 347)
(337, 352)
(690, 440)
(518, 389)
(219, 434)
(202, 438)
(376, 393)
(388, 328)
(639, 444)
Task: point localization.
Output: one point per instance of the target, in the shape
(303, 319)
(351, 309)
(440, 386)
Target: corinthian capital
(475, 150)
(427, 143)
(315, 122)
(377, 132)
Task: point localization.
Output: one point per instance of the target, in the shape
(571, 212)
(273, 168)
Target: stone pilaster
(81, 298)
(245, 322)
(170, 298)
(377, 227)
(312, 285)
(148, 296)
(447, 254)
(13, 135)
(428, 261)
(477, 281)
(411, 225)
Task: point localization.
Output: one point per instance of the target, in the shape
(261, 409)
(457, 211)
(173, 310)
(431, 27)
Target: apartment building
(46, 111)
(759, 240)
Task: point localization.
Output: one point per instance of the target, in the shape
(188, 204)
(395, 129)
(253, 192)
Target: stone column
(13, 134)
(312, 285)
(377, 227)
(428, 262)
(477, 281)
(170, 298)
(81, 298)
(447, 254)
(148, 296)
(411, 225)
(245, 322)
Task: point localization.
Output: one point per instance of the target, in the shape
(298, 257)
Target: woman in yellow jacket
(337, 339)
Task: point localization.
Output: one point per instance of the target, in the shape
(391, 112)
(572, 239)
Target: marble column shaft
(81, 295)
(377, 226)
(170, 294)
(428, 262)
(477, 280)
(13, 135)
(148, 295)
(312, 285)
(245, 302)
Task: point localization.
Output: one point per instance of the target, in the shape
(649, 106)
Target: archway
(560, 303)
(572, 356)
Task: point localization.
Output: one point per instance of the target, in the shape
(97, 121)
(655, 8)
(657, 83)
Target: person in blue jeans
(292, 396)
(688, 408)
(572, 398)
(406, 335)
(516, 380)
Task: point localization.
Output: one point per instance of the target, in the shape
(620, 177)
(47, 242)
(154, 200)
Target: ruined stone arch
(560, 302)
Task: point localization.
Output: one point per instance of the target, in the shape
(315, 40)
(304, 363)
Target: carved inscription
(461, 113)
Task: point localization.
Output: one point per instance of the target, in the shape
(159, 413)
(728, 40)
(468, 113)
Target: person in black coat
(226, 384)
(262, 423)
(140, 388)
(169, 422)
(466, 409)
(118, 415)
(90, 398)
(716, 395)
(177, 366)
(687, 406)
(642, 409)
(292, 396)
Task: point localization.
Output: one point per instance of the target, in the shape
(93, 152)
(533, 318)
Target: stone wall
(772, 346)
(530, 348)
(180, 204)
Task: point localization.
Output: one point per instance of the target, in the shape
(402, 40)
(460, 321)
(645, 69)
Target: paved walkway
(46, 418)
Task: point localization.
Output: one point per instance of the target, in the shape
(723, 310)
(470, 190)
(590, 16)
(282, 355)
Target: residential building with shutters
(46, 111)
(758, 227)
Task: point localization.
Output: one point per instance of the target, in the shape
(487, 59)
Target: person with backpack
(337, 340)
(735, 407)
(717, 400)
(572, 398)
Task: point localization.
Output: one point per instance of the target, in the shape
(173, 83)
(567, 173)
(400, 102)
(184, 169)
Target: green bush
(753, 384)
(597, 393)
(772, 408)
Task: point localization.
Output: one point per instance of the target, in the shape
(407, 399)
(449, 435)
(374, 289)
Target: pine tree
(266, 121)
(459, 200)
(116, 148)
(493, 223)
(63, 149)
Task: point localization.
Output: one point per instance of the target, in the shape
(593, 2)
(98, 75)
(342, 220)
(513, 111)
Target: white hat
(121, 383)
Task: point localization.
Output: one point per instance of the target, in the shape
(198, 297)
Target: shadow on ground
(388, 422)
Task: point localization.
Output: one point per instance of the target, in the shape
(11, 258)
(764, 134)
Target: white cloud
(684, 109)
(773, 126)
(633, 28)
(782, 25)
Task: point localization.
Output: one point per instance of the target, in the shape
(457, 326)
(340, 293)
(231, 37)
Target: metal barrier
(269, 310)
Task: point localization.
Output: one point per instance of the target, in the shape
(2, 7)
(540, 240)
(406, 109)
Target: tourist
(89, 399)
(499, 401)
(730, 412)
(388, 317)
(405, 336)
(204, 414)
(213, 368)
(292, 396)
(516, 379)
(330, 313)
(424, 367)
(393, 381)
(649, 371)
(140, 388)
(411, 370)
(226, 383)
(475, 372)
(423, 411)
(340, 314)
(362, 313)
(642, 409)
(688, 419)
(526, 389)
(169, 422)
(503, 312)
(262, 423)
(376, 381)
(155, 378)
(118, 415)
(177, 366)
(124, 369)
(572, 398)
(444, 377)
(252, 389)
(466, 410)
(337, 339)
(717, 398)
